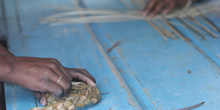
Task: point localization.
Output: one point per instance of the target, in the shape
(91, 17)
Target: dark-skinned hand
(154, 7)
(41, 75)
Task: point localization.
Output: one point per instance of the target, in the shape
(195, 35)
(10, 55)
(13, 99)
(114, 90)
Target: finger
(169, 8)
(82, 71)
(149, 7)
(61, 79)
(56, 65)
(157, 9)
(41, 97)
(62, 69)
(81, 76)
(88, 74)
(54, 89)
(145, 12)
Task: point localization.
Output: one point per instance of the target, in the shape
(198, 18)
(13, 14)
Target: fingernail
(92, 83)
(43, 102)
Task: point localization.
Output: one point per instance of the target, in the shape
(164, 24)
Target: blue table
(143, 72)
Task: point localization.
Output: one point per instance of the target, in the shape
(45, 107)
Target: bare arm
(6, 59)
(40, 74)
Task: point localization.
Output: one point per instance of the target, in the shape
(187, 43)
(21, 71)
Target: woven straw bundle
(79, 95)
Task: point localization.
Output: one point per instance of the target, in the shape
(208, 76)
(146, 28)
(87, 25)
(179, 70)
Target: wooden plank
(161, 68)
(72, 45)
(14, 94)
(211, 46)
(142, 66)
(133, 85)
(3, 25)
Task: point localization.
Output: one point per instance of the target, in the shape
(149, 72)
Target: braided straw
(79, 95)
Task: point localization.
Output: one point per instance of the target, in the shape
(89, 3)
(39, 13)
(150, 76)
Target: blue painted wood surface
(142, 72)
(2, 21)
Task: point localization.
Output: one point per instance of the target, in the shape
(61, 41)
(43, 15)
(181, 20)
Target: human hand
(154, 7)
(42, 74)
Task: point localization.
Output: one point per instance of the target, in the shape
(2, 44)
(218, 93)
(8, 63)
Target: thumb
(41, 97)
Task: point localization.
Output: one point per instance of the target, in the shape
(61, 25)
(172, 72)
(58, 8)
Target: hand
(153, 7)
(41, 75)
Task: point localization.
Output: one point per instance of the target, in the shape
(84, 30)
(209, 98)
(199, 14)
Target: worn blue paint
(212, 45)
(135, 88)
(135, 55)
(80, 51)
(161, 69)
(142, 72)
(2, 24)
(16, 94)
(214, 50)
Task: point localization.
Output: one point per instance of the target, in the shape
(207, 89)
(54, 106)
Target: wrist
(6, 66)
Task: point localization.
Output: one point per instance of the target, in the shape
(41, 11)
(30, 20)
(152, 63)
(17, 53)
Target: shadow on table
(2, 93)
(2, 97)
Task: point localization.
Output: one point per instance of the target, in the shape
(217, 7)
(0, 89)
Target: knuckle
(59, 92)
(52, 65)
(36, 68)
(43, 84)
(47, 72)
(54, 60)
(84, 70)
(69, 76)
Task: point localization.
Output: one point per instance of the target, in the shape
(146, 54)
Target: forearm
(6, 60)
(4, 51)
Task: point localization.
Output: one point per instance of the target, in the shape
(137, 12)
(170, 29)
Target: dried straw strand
(202, 26)
(173, 29)
(157, 29)
(191, 27)
(165, 30)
